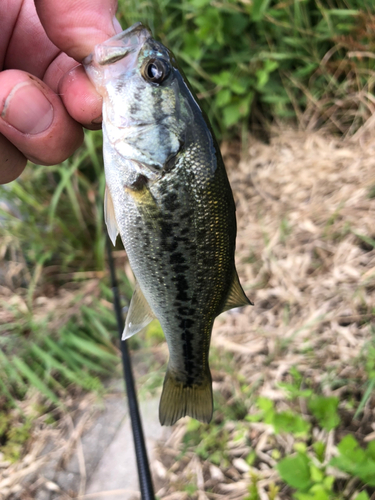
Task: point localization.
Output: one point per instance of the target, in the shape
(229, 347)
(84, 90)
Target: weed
(293, 59)
(15, 437)
(284, 421)
(324, 410)
(355, 460)
(310, 480)
(209, 442)
(253, 490)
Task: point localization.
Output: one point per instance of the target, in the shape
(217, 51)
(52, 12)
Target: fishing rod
(144, 474)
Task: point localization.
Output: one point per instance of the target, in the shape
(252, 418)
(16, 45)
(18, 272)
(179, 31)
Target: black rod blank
(144, 475)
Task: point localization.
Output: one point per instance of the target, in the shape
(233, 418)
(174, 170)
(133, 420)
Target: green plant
(268, 58)
(324, 410)
(368, 359)
(355, 460)
(308, 478)
(52, 228)
(15, 436)
(76, 354)
(209, 442)
(253, 490)
(283, 421)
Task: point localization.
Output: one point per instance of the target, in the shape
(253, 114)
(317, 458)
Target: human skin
(45, 95)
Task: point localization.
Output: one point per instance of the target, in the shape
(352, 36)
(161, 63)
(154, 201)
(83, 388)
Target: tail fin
(178, 400)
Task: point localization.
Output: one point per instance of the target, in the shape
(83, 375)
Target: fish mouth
(116, 48)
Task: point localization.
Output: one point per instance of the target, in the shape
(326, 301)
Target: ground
(306, 258)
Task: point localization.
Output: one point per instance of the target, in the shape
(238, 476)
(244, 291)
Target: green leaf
(259, 7)
(317, 474)
(192, 46)
(91, 348)
(264, 404)
(34, 379)
(349, 447)
(79, 378)
(223, 97)
(11, 372)
(365, 238)
(262, 78)
(295, 471)
(328, 482)
(210, 27)
(371, 449)
(324, 410)
(231, 114)
(320, 449)
(199, 4)
(362, 496)
(245, 103)
(317, 492)
(224, 78)
(238, 86)
(294, 391)
(355, 461)
(287, 421)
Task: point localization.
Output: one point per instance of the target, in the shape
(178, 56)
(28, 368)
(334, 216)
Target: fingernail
(27, 109)
(97, 121)
(117, 25)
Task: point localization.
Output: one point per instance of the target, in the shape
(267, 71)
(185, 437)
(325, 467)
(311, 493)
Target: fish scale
(169, 197)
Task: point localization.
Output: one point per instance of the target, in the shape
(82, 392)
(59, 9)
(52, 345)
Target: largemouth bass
(169, 198)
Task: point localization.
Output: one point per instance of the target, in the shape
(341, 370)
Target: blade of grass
(91, 348)
(366, 396)
(34, 380)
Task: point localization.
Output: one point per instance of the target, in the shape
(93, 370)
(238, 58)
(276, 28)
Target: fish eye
(156, 71)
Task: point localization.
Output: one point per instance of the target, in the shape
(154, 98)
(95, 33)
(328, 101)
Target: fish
(168, 196)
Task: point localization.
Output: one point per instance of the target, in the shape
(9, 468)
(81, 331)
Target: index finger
(76, 26)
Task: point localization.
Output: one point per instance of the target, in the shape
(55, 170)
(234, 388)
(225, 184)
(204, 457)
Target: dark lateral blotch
(139, 183)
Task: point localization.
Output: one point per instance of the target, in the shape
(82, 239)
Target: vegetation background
(255, 65)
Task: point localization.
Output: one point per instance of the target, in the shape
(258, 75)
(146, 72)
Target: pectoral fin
(109, 216)
(139, 315)
(236, 296)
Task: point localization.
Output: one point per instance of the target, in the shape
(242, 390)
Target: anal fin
(179, 399)
(109, 216)
(236, 296)
(139, 314)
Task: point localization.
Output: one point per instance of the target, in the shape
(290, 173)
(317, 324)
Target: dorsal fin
(139, 315)
(236, 296)
(109, 216)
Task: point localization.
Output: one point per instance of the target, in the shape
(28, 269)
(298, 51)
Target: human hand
(45, 95)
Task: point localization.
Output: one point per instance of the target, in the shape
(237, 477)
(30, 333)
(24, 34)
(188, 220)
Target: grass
(58, 331)
(308, 469)
(253, 62)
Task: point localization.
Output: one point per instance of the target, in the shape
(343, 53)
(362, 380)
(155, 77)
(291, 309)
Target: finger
(10, 12)
(26, 40)
(12, 161)
(76, 27)
(33, 119)
(68, 79)
(80, 98)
